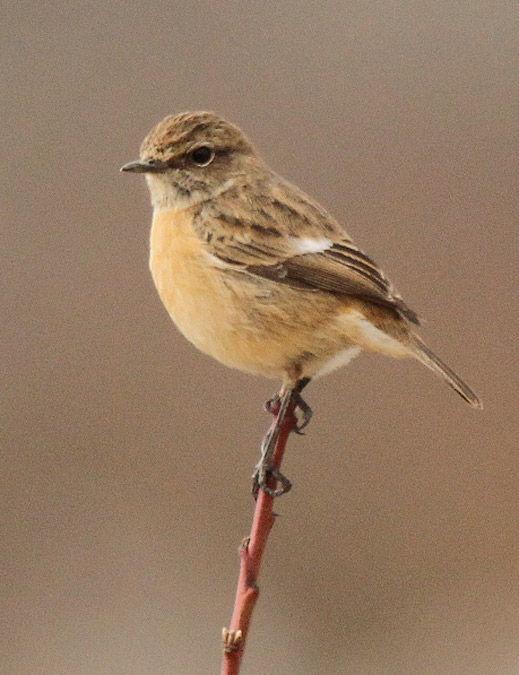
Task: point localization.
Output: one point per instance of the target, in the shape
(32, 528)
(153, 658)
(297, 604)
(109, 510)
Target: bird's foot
(302, 410)
(264, 471)
(305, 413)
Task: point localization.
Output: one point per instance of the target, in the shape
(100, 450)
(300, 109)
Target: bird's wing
(294, 242)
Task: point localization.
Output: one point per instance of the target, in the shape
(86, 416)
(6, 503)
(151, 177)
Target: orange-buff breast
(213, 310)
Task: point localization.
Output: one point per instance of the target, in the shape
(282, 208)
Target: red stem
(251, 554)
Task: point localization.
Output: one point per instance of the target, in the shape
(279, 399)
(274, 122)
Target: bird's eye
(202, 155)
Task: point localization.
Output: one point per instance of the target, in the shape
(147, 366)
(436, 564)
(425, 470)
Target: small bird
(257, 274)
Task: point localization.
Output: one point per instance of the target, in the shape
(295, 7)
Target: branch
(251, 554)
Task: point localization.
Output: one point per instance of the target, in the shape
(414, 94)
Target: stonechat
(256, 273)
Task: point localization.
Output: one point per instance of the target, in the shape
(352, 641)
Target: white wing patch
(311, 244)
(216, 261)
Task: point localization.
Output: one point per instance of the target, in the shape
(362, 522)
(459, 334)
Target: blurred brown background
(126, 454)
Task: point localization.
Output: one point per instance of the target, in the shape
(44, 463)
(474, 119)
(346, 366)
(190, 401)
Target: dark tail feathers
(429, 359)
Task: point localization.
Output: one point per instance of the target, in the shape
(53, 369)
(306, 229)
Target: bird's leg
(265, 467)
(300, 405)
(280, 405)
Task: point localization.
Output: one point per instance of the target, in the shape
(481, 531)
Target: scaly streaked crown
(179, 134)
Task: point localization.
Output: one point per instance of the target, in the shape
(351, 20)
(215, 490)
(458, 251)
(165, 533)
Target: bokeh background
(126, 455)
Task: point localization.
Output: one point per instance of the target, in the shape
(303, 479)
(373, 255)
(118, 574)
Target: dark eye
(202, 155)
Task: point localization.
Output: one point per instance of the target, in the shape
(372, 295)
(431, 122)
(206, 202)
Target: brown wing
(269, 241)
(341, 269)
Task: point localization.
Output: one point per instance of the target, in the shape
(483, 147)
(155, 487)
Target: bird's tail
(429, 359)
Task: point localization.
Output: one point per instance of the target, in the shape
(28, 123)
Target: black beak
(146, 166)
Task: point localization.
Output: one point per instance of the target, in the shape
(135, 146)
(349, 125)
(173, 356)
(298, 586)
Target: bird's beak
(146, 166)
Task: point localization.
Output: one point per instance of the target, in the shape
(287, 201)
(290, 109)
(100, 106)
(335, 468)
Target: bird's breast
(213, 309)
(188, 287)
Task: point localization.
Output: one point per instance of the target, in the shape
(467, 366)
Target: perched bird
(257, 274)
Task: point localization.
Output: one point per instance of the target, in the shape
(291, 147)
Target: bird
(258, 275)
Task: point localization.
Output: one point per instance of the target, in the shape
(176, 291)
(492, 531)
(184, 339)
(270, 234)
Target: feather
(290, 239)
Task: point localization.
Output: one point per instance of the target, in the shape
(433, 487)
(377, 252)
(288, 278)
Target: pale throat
(165, 195)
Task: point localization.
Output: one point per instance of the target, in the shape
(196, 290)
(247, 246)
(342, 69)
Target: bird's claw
(290, 402)
(260, 478)
(300, 406)
(272, 405)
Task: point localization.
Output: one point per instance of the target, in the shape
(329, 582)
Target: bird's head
(191, 157)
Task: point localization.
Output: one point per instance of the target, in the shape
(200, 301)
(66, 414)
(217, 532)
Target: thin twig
(251, 554)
